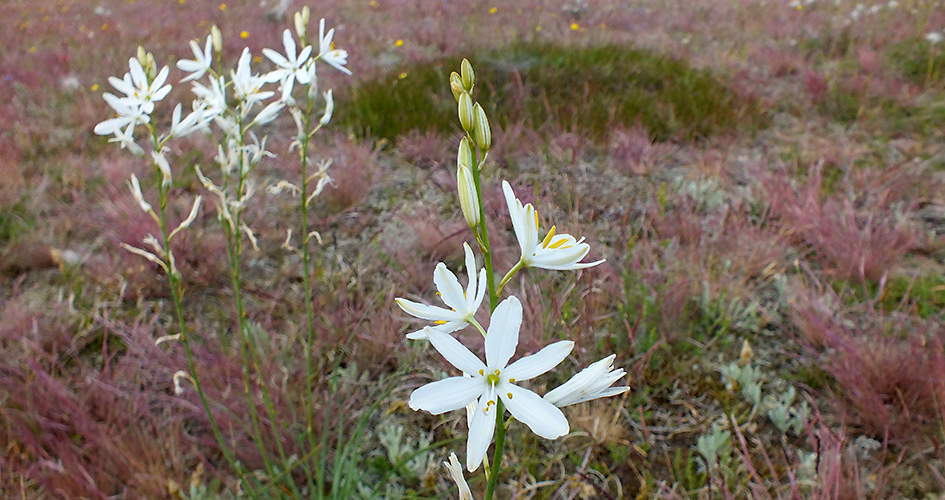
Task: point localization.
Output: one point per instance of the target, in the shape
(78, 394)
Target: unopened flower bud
(468, 198)
(464, 156)
(482, 133)
(301, 21)
(466, 112)
(217, 38)
(457, 89)
(469, 76)
(456, 85)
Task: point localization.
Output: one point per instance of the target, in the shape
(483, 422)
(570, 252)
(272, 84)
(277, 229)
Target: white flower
(934, 37)
(200, 63)
(591, 383)
(291, 66)
(136, 87)
(456, 473)
(214, 96)
(463, 304)
(129, 114)
(337, 58)
(197, 119)
(248, 87)
(556, 251)
(494, 378)
(160, 162)
(126, 138)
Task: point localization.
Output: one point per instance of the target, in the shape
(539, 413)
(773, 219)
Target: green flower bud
(217, 38)
(469, 77)
(468, 198)
(464, 155)
(482, 133)
(456, 85)
(466, 116)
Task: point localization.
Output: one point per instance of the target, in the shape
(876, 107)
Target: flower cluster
(215, 93)
(486, 388)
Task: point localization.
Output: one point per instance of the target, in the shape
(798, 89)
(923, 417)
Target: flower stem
(508, 276)
(483, 235)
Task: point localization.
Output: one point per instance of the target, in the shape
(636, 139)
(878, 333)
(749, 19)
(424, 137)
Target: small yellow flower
(402, 75)
(399, 43)
(575, 27)
(94, 87)
(538, 28)
(104, 26)
(182, 2)
(223, 6)
(257, 59)
(244, 34)
(32, 49)
(373, 3)
(493, 10)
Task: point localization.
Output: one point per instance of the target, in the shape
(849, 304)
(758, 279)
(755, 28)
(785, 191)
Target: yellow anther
(497, 371)
(440, 322)
(548, 238)
(509, 394)
(511, 380)
(559, 243)
(482, 372)
(536, 218)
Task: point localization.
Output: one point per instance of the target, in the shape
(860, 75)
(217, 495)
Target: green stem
(499, 446)
(309, 298)
(484, 230)
(177, 296)
(508, 276)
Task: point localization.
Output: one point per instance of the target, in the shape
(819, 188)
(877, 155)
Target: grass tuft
(551, 87)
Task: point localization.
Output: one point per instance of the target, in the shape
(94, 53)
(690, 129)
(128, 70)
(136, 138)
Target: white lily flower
(214, 96)
(199, 65)
(194, 121)
(129, 114)
(456, 473)
(494, 378)
(126, 139)
(248, 87)
(136, 87)
(160, 161)
(592, 382)
(337, 58)
(556, 251)
(291, 66)
(463, 304)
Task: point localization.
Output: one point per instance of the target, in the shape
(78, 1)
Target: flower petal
(423, 311)
(450, 290)
(448, 394)
(481, 429)
(457, 354)
(516, 213)
(532, 366)
(542, 417)
(502, 336)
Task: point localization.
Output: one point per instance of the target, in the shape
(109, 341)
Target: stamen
(536, 219)
(482, 372)
(497, 372)
(548, 237)
(559, 243)
(509, 394)
(511, 380)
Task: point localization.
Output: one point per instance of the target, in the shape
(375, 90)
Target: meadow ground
(764, 178)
